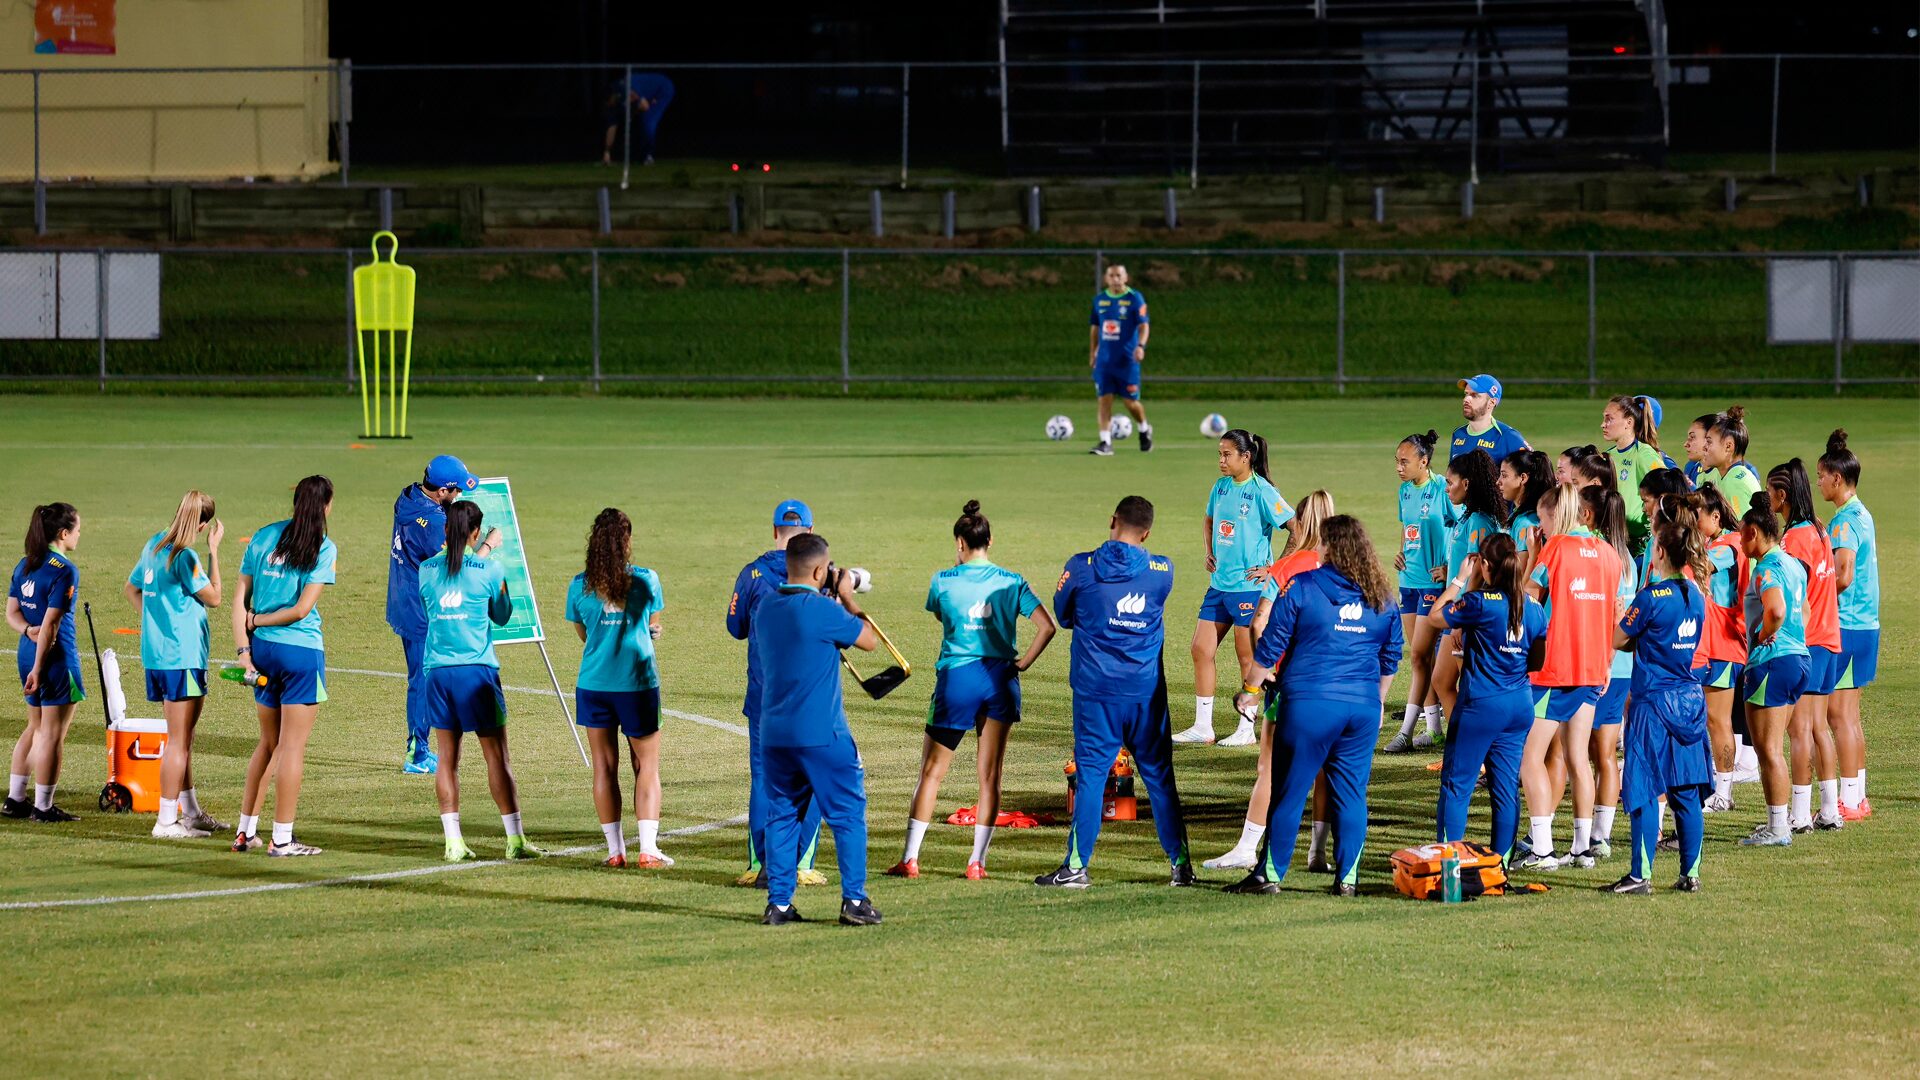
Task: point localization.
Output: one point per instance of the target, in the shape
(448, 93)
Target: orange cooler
(134, 746)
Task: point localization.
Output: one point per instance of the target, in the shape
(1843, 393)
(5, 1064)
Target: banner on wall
(75, 27)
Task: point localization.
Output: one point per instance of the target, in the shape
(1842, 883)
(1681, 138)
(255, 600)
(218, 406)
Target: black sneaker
(858, 913)
(1687, 884)
(15, 808)
(1629, 886)
(776, 916)
(1064, 878)
(1344, 889)
(1102, 449)
(1182, 875)
(1146, 439)
(51, 814)
(1669, 842)
(1254, 884)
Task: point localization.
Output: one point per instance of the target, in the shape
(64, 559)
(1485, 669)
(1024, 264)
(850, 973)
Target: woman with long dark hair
(40, 600)
(1856, 575)
(1525, 475)
(1723, 459)
(1426, 518)
(1628, 423)
(276, 633)
(615, 608)
(1814, 754)
(1604, 512)
(1776, 673)
(1723, 640)
(1478, 512)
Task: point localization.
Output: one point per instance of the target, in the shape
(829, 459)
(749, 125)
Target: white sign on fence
(55, 294)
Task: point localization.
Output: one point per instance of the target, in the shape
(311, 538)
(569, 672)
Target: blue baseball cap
(1482, 384)
(1653, 407)
(795, 509)
(449, 471)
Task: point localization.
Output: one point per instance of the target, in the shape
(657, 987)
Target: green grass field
(1790, 961)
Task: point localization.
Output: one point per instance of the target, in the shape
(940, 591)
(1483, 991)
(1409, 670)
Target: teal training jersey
(1426, 518)
(1521, 528)
(618, 656)
(979, 606)
(1778, 570)
(1467, 534)
(1852, 530)
(277, 586)
(460, 609)
(173, 621)
(1629, 588)
(1244, 516)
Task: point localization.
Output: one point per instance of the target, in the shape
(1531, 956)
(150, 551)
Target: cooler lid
(140, 725)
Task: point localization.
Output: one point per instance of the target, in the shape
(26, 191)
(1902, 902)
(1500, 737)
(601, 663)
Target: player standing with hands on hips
(1116, 346)
(807, 754)
(40, 601)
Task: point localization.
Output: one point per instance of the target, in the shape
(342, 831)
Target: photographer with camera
(807, 755)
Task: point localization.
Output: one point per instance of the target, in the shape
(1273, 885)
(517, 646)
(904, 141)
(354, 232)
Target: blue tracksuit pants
(1317, 735)
(757, 809)
(1488, 731)
(1145, 729)
(419, 740)
(828, 781)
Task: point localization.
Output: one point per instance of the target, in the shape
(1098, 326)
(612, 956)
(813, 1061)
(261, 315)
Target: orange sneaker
(1856, 813)
(615, 862)
(976, 871)
(907, 868)
(648, 861)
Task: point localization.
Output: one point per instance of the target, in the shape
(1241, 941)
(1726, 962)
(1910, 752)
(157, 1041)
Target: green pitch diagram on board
(494, 497)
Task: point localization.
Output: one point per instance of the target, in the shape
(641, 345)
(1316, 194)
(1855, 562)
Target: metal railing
(732, 320)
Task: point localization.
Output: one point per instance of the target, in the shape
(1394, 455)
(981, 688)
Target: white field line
(354, 879)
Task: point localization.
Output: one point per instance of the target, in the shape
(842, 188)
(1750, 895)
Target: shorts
(1721, 674)
(963, 695)
(1237, 608)
(296, 675)
(1417, 601)
(1118, 379)
(1859, 658)
(1823, 671)
(635, 712)
(1559, 703)
(465, 697)
(1612, 707)
(176, 684)
(58, 685)
(1776, 682)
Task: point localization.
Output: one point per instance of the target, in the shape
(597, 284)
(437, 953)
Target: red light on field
(736, 166)
(765, 167)
(1619, 50)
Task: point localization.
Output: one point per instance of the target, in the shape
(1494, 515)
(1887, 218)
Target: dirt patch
(548, 272)
(1383, 271)
(671, 280)
(1042, 275)
(492, 272)
(1160, 275)
(1444, 272)
(1233, 272)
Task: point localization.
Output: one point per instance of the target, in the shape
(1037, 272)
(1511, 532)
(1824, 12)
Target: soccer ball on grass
(1059, 428)
(1121, 428)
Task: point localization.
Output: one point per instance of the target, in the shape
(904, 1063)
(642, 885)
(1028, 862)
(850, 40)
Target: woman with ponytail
(1814, 753)
(1243, 510)
(1628, 423)
(1776, 673)
(1723, 459)
(172, 594)
(1498, 624)
(1479, 512)
(1426, 521)
(1525, 476)
(40, 600)
(276, 633)
(976, 682)
(1856, 576)
(615, 608)
(1604, 512)
(1723, 642)
(465, 596)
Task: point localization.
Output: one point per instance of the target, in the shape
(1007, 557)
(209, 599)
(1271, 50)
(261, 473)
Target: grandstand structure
(1354, 85)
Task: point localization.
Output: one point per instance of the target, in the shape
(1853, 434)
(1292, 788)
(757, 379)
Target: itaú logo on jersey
(1578, 587)
(977, 612)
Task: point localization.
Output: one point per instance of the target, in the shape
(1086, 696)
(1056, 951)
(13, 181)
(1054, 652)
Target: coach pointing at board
(419, 532)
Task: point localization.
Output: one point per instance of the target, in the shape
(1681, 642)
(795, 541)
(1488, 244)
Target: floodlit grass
(1791, 960)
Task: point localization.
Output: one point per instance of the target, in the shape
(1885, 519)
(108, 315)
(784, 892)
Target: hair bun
(1432, 436)
(1736, 413)
(1760, 501)
(1837, 442)
(972, 508)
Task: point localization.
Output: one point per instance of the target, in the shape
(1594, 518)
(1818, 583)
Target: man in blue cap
(1480, 395)
(758, 580)
(419, 532)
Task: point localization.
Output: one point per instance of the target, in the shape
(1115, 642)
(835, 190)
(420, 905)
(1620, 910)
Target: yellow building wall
(107, 125)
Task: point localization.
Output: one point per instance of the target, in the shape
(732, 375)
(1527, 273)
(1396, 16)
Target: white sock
(1250, 834)
(1777, 819)
(1540, 829)
(1723, 784)
(169, 811)
(649, 835)
(1829, 799)
(17, 786)
(450, 824)
(916, 832)
(43, 796)
(1802, 803)
(1603, 822)
(1317, 846)
(1146, 428)
(1746, 758)
(982, 837)
(1863, 781)
(1582, 833)
(249, 825)
(1663, 818)
(616, 840)
(1431, 714)
(190, 802)
(1203, 712)
(283, 832)
(1409, 718)
(512, 823)
(1850, 791)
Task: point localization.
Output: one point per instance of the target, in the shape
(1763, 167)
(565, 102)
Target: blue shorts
(1237, 608)
(1612, 707)
(1779, 681)
(176, 684)
(58, 685)
(1559, 703)
(1823, 671)
(296, 675)
(635, 712)
(1121, 379)
(1417, 601)
(1859, 658)
(465, 697)
(1721, 674)
(963, 695)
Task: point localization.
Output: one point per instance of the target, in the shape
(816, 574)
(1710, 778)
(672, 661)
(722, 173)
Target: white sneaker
(1237, 859)
(1746, 774)
(1717, 804)
(1247, 734)
(1197, 735)
(1424, 740)
(179, 830)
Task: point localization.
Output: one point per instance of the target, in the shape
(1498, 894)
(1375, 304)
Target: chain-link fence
(1280, 322)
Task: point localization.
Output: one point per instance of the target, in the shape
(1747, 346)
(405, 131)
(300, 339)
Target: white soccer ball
(1213, 426)
(1059, 428)
(1121, 428)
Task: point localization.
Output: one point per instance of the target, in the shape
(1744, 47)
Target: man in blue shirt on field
(1479, 396)
(1114, 600)
(808, 754)
(1116, 346)
(419, 533)
(646, 96)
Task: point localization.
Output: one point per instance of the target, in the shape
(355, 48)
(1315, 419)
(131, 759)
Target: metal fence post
(1003, 74)
(100, 311)
(344, 89)
(349, 307)
(596, 318)
(906, 96)
(1099, 269)
(1839, 322)
(1340, 323)
(1193, 155)
(1473, 123)
(1773, 128)
(1593, 325)
(846, 296)
(39, 181)
(625, 94)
